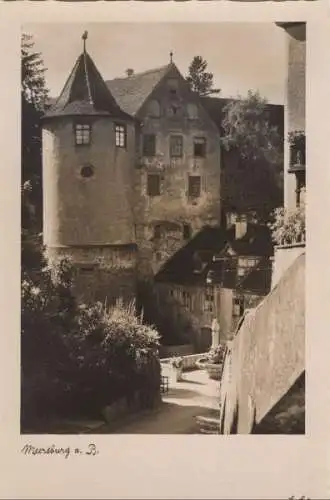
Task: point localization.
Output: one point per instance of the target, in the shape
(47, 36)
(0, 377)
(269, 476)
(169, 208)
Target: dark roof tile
(132, 91)
(85, 93)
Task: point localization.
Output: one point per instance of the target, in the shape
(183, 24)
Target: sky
(241, 56)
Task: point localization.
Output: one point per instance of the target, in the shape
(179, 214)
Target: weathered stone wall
(267, 355)
(172, 205)
(190, 311)
(101, 273)
(84, 211)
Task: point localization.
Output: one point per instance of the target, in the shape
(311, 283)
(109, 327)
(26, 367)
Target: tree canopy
(200, 80)
(247, 128)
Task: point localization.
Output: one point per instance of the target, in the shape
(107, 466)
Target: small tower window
(82, 134)
(200, 147)
(120, 131)
(87, 171)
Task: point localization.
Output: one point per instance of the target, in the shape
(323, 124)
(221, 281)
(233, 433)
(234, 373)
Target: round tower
(88, 165)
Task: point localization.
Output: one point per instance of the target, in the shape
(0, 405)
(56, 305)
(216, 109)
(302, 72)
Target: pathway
(194, 396)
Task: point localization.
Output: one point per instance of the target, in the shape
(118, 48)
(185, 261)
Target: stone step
(208, 425)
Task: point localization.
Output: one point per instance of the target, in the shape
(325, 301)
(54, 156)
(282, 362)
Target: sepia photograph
(163, 184)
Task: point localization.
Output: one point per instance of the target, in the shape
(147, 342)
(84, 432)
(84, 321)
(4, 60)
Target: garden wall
(284, 257)
(267, 355)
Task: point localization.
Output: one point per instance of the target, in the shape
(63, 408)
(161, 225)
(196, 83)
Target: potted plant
(213, 362)
(177, 366)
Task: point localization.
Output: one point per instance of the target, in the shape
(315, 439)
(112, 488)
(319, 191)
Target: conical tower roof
(86, 93)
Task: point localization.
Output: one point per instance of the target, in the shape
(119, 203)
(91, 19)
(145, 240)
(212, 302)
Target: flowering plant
(217, 354)
(288, 226)
(177, 362)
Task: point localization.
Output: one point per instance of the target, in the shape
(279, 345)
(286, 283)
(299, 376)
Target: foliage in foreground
(76, 359)
(289, 226)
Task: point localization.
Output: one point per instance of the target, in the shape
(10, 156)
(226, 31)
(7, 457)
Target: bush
(117, 356)
(77, 359)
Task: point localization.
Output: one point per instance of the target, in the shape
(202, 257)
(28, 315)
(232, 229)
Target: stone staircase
(208, 425)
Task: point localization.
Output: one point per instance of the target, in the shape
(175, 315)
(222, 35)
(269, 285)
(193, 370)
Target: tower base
(101, 273)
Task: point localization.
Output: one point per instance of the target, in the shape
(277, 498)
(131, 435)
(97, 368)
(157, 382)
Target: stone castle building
(133, 170)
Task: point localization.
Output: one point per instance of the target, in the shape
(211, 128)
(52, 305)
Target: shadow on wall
(288, 415)
(173, 330)
(263, 384)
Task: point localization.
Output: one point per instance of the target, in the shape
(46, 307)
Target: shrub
(117, 356)
(77, 359)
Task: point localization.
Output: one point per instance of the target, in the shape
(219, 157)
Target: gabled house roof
(132, 91)
(258, 280)
(202, 256)
(255, 242)
(182, 266)
(85, 93)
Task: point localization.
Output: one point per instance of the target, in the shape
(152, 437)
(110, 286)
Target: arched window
(192, 111)
(154, 108)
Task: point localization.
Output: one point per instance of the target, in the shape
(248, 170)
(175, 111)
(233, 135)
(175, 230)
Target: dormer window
(120, 131)
(82, 134)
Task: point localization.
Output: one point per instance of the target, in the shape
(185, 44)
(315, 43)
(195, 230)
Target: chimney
(240, 227)
(130, 72)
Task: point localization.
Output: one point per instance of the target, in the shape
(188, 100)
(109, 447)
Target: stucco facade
(295, 101)
(164, 221)
(154, 178)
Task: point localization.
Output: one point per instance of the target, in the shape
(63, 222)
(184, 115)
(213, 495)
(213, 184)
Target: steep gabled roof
(181, 266)
(85, 93)
(131, 92)
(209, 243)
(258, 280)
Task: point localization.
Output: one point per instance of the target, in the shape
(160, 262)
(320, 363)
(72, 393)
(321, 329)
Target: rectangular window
(149, 145)
(176, 146)
(153, 185)
(200, 147)
(82, 134)
(120, 131)
(209, 301)
(238, 306)
(194, 187)
(186, 300)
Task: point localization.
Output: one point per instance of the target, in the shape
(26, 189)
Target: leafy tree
(247, 128)
(200, 80)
